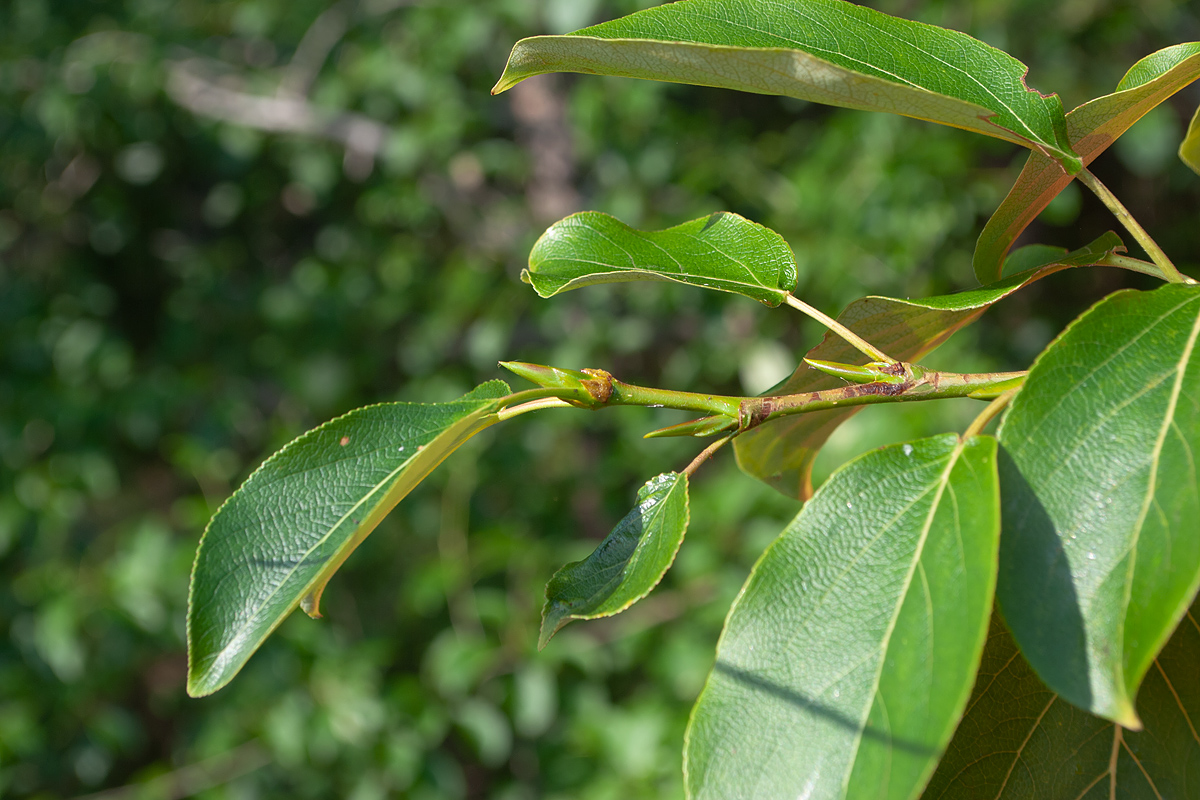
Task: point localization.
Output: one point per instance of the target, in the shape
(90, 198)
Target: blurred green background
(222, 223)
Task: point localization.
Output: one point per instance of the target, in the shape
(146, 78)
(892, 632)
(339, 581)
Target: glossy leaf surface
(851, 651)
(1100, 554)
(722, 251)
(1092, 127)
(824, 51)
(782, 452)
(1020, 741)
(281, 536)
(628, 563)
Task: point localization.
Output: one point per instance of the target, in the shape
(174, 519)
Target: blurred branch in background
(194, 778)
(207, 87)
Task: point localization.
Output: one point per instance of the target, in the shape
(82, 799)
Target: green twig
(988, 414)
(853, 339)
(1169, 272)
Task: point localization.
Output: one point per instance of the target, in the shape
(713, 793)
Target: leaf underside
(627, 565)
(824, 51)
(1020, 741)
(1092, 127)
(850, 653)
(1101, 497)
(283, 534)
(722, 251)
(782, 452)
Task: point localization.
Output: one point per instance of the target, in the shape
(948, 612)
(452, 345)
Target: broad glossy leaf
(825, 51)
(277, 541)
(628, 563)
(782, 452)
(1092, 127)
(1189, 150)
(1100, 554)
(722, 251)
(1020, 741)
(850, 652)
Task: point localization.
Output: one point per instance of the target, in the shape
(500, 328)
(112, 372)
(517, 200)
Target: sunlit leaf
(722, 251)
(1092, 127)
(628, 563)
(1100, 554)
(781, 452)
(825, 51)
(277, 541)
(1020, 741)
(850, 653)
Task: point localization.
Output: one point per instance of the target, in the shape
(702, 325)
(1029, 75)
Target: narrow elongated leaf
(850, 652)
(722, 251)
(1189, 149)
(1020, 741)
(1100, 555)
(825, 51)
(277, 541)
(1092, 127)
(782, 452)
(628, 563)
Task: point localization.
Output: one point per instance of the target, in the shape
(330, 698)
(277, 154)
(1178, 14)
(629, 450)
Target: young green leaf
(1189, 149)
(722, 251)
(1019, 740)
(849, 655)
(277, 541)
(1092, 127)
(781, 452)
(628, 563)
(1100, 557)
(824, 51)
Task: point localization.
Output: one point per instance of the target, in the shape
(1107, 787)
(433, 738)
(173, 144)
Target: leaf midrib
(943, 482)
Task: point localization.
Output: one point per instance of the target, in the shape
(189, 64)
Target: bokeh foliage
(180, 295)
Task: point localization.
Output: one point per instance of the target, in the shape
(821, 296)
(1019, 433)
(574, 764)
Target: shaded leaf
(1189, 149)
(280, 537)
(722, 251)
(1020, 741)
(1092, 127)
(781, 452)
(824, 51)
(1101, 497)
(850, 652)
(628, 563)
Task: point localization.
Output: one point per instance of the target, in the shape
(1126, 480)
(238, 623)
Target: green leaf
(850, 652)
(1092, 127)
(781, 452)
(1100, 556)
(824, 51)
(1019, 740)
(1189, 149)
(722, 251)
(277, 541)
(628, 563)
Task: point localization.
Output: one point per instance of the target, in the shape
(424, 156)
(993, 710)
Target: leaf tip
(554, 619)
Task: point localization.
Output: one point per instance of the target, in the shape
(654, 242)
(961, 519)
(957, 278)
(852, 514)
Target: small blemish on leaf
(345, 441)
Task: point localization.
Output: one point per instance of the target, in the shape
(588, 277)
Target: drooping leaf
(722, 251)
(628, 563)
(277, 541)
(850, 652)
(1020, 741)
(824, 51)
(1092, 127)
(781, 452)
(1189, 149)
(1100, 554)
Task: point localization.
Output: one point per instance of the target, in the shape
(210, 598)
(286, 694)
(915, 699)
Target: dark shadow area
(1035, 588)
(813, 707)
